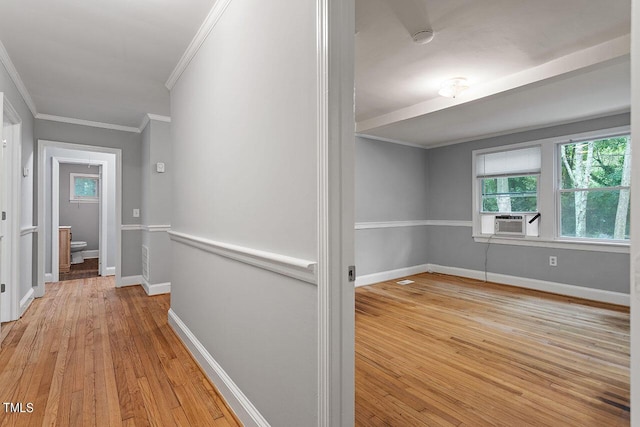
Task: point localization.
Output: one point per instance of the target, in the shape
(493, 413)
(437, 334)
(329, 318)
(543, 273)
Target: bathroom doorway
(80, 202)
(79, 199)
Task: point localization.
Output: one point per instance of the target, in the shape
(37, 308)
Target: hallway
(88, 354)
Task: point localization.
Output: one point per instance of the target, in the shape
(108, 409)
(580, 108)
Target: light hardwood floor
(447, 351)
(87, 354)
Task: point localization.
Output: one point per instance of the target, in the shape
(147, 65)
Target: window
(593, 193)
(83, 187)
(507, 182)
(510, 194)
(569, 192)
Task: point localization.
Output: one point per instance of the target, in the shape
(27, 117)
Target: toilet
(76, 252)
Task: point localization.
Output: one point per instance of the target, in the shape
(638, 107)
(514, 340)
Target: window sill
(613, 247)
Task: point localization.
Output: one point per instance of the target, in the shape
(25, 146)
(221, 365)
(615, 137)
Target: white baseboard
(94, 253)
(110, 271)
(239, 403)
(26, 301)
(539, 285)
(48, 277)
(157, 288)
(129, 281)
(390, 275)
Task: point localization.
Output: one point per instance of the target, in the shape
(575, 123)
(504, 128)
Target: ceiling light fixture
(453, 87)
(423, 37)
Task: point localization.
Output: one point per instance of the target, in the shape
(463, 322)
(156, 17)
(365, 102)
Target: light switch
(136, 213)
(160, 167)
(25, 172)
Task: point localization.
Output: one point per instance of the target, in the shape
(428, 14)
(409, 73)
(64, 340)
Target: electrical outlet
(553, 261)
(136, 213)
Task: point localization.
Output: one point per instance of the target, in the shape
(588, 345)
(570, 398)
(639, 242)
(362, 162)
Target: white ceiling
(520, 56)
(531, 63)
(103, 61)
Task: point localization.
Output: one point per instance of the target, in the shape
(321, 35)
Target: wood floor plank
(88, 354)
(452, 351)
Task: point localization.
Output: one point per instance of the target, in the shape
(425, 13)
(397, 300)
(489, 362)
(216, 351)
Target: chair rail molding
(297, 268)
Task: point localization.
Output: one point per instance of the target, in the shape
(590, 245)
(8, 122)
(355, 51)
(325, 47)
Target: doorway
(53, 155)
(10, 160)
(81, 213)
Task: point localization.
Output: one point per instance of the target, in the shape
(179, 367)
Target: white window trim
(548, 206)
(72, 188)
(559, 191)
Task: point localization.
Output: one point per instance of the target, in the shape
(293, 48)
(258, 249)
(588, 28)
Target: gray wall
(28, 241)
(245, 174)
(451, 198)
(82, 217)
(130, 144)
(392, 184)
(157, 198)
(443, 176)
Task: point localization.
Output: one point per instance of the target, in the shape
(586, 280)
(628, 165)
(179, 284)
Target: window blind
(511, 162)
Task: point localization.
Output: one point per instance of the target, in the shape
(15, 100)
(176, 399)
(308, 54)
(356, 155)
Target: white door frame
(14, 208)
(335, 144)
(55, 211)
(635, 214)
(43, 145)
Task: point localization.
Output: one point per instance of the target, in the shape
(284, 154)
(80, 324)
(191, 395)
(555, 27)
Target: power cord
(486, 256)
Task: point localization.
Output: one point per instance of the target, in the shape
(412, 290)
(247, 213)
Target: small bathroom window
(84, 187)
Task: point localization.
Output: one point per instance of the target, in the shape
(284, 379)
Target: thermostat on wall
(160, 167)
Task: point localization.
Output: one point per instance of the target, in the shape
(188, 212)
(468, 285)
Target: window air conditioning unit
(510, 225)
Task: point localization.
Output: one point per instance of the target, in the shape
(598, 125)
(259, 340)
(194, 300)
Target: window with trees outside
(593, 193)
(510, 194)
(509, 180)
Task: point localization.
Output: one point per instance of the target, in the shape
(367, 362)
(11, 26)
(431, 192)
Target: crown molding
(391, 141)
(102, 125)
(5, 59)
(157, 117)
(210, 21)
(15, 77)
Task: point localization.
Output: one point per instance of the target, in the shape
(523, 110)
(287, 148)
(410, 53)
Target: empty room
(492, 200)
(319, 213)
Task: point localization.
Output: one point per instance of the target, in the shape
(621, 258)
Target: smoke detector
(423, 37)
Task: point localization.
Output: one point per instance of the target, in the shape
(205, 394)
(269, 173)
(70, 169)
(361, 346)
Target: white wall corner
(383, 276)
(246, 412)
(156, 288)
(538, 285)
